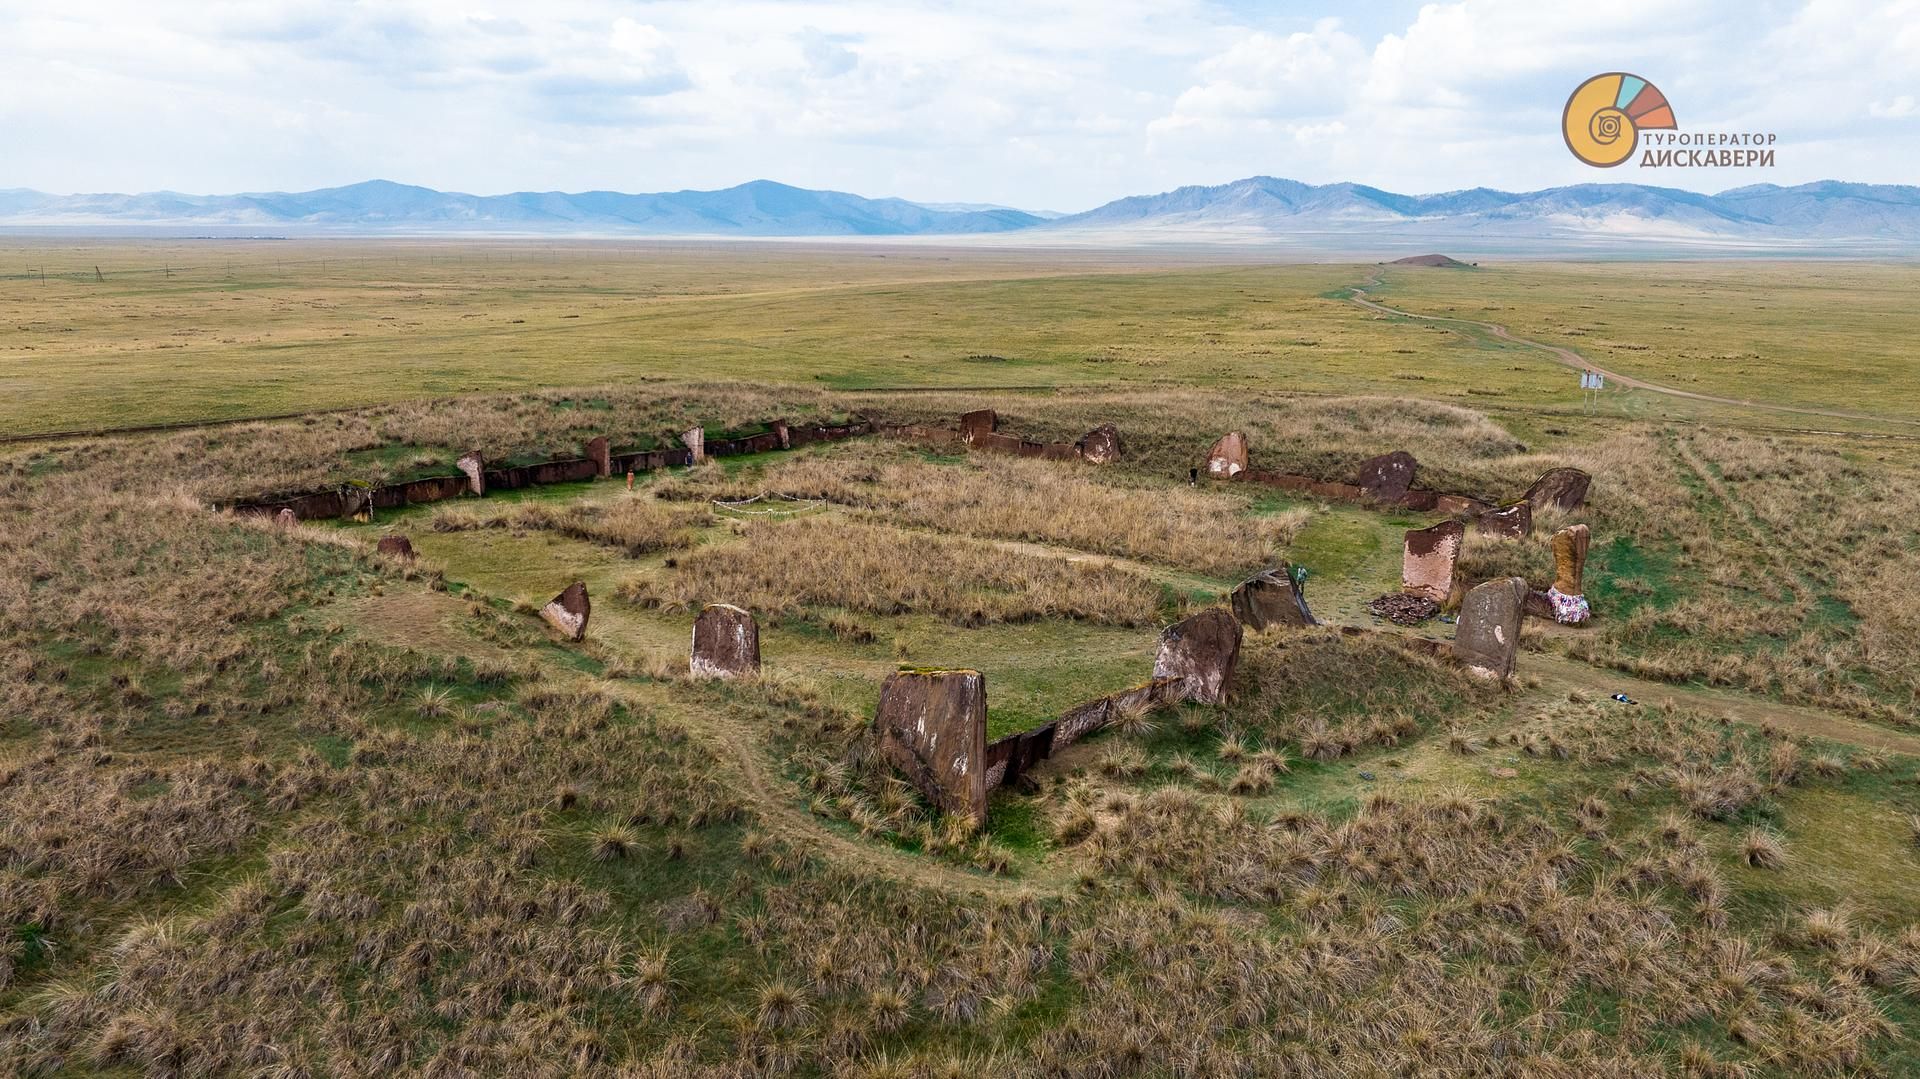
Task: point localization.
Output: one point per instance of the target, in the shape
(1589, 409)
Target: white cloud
(1894, 109)
(1059, 105)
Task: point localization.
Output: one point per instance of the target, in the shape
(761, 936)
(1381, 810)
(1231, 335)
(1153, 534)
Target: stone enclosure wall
(346, 500)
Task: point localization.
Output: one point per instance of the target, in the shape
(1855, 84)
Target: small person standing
(629, 479)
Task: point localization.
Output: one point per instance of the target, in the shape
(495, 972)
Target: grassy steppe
(218, 330)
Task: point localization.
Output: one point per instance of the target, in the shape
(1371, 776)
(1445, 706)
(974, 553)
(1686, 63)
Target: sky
(1056, 106)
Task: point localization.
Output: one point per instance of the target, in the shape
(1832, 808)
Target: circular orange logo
(1605, 115)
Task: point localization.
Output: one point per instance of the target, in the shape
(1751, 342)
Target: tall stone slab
(932, 726)
(568, 611)
(1507, 522)
(1570, 559)
(695, 440)
(601, 455)
(1560, 488)
(1228, 457)
(1202, 653)
(726, 643)
(784, 433)
(1101, 445)
(1426, 562)
(1386, 478)
(979, 422)
(1488, 635)
(1272, 597)
(474, 468)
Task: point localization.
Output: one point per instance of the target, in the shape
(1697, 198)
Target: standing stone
(568, 611)
(1386, 478)
(695, 439)
(356, 503)
(1508, 522)
(1562, 488)
(785, 435)
(1426, 563)
(285, 518)
(1228, 457)
(1101, 445)
(932, 726)
(1570, 559)
(1272, 597)
(1488, 635)
(983, 421)
(1202, 653)
(474, 467)
(397, 546)
(726, 643)
(601, 456)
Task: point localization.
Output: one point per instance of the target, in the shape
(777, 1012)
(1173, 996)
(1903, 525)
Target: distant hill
(759, 208)
(1260, 209)
(1440, 261)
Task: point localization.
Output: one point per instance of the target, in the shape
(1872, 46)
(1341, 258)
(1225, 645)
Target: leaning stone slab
(1426, 563)
(695, 440)
(932, 726)
(601, 456)
(726, 643)
(568, 611)
(1101, 445)
(397, 547)
(1507, 522)
(1202, 653)
(1561, 488)
(474, 467)
(1488, 635)
(1228, 457)
(981, 421)
(356, 502)
(285, 518)
(1272, 597)
(1386, 478)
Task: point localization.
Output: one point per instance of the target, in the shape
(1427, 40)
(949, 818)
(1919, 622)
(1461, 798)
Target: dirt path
(1570, 358)
(1557, 674)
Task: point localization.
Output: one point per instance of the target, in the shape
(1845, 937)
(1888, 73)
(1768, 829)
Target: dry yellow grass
(1040, 501)
(823, 562)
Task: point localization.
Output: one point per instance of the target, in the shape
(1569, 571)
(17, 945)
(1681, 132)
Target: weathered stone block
(1426, 562)
(695, 440)
(568, 611)
(1508, 522)
(474, 467)
(1386, 478)
(726, 643)
(932, 726)
(601, 455)
(1488, 634)
(783, 434)
(285, 518)
(983, 421)
(995, 443)
(1228, 457)
(1459, 505)
(1570, 559)
(1101, 445)
(1563, 488)
(397, 547)
(1202, 653)
(1271, 598)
